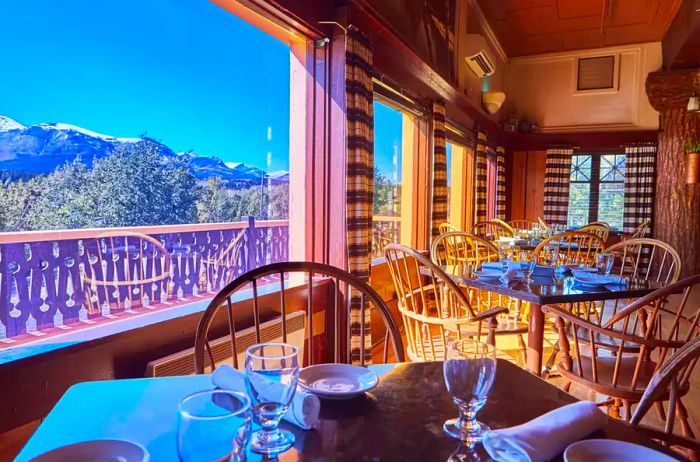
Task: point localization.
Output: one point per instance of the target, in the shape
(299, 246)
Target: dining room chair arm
(490, 313)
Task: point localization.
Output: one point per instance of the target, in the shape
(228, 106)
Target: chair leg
(614, 408)
(551, 360)
(627, 406)
(523, 349)
(682, 413)
(659, 406)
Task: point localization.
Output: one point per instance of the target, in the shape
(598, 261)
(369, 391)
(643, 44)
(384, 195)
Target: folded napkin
(543, 271)
(499, 266)
(587, 277)
(303, 410)
(510, 275)
(546, 436)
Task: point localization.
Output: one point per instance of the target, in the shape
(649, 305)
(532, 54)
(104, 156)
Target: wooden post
(251, 248)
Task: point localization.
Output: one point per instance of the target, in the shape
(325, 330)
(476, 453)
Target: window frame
(595, 182)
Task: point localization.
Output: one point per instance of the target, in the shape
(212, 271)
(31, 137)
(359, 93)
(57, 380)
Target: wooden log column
(677, 207)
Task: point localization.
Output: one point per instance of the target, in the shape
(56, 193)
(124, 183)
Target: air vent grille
(596, 73)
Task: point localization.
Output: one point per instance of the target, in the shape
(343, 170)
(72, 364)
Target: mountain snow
(9, 124)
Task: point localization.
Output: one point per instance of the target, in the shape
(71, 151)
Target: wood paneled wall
(527, 187)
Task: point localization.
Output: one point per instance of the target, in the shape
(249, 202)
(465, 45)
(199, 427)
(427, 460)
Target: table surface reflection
(400, 420)
(548, 289)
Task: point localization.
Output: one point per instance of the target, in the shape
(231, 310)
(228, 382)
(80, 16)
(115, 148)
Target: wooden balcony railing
(50, 279)
(385, 230)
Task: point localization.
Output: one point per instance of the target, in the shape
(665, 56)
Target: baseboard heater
(182, 362)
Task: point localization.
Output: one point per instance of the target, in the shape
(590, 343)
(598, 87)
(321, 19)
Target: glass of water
(469, 370)
(528, 262)
(213, 425)
(271, 376)
(604, 263)
(505, 254)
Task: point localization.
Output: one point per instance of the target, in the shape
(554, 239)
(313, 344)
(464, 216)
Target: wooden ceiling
(528, 27)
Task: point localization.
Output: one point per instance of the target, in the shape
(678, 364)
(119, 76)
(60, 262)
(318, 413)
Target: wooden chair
(673, 376)
(620, 356)
(661, 264)
(599, 228)
(445, 228)
(524, 225)
(433, 307)
(640, 231)
(573, 247)
(342, 284)
(125, 270)
(504, 224)
(458, 248)
(542, 223)
(491, 230)
(647, 259)
(220, 269)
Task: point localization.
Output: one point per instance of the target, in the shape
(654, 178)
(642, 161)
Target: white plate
(337, 381)
(600, 450)
(96, 451)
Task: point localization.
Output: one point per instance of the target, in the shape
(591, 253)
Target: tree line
(130, 187)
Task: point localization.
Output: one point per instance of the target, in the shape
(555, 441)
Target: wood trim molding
(584, 140)
(488, 30)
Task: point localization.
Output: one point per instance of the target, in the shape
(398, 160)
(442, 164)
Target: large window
(597, 189)
(153, 116)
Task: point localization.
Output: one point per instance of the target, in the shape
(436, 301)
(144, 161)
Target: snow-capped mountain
(40, 148)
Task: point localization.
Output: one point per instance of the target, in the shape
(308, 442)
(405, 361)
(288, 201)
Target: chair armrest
(490, 313)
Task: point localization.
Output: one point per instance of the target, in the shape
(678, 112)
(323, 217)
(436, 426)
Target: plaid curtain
(360, 182)
(501, 183)
(556, 185)
(480, 196)
(439, 209)
(640, 166)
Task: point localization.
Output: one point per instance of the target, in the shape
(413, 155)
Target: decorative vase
(693, 168)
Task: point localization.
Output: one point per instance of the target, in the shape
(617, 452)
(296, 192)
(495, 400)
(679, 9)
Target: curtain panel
(439, 208)
(556, 185)
(501, 183)
(640, 167)
(359, 182)
(480, 179)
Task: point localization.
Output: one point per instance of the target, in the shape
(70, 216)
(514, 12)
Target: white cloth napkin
(510, 275)
(303, 410)
(546, 436)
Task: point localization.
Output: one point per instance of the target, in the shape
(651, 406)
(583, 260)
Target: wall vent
(596, 73)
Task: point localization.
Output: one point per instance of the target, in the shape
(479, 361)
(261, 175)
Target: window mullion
(595, 189)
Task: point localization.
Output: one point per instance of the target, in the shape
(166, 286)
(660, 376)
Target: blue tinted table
(400, 420)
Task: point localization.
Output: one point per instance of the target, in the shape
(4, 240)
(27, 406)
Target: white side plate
(600, 450)
(337, 381)
(96, 450)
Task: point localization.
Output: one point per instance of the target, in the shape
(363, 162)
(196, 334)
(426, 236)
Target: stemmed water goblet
(469, 370)
(505, 253)
(271, 376)
(528, 262)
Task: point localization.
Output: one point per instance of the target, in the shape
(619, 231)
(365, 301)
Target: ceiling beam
(681, 44)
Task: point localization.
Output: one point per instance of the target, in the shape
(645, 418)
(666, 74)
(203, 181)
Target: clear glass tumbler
(469, 369)
(272, 374)
(213, 425)
(604, 263)
(528, 262)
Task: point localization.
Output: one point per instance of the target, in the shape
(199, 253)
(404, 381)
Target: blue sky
(387, 140)
(183, 71)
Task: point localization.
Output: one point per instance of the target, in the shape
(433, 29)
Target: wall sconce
(694, 103)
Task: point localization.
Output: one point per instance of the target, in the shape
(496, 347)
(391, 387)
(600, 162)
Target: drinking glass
(213, 425)
(506, 254)
(528, 262)
(469, 370)
(271, 373)
(604, 263)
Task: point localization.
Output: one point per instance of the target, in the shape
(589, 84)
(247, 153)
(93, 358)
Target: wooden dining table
(547, 290)
(400, 420)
